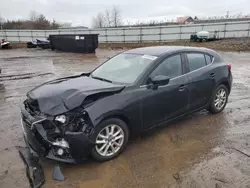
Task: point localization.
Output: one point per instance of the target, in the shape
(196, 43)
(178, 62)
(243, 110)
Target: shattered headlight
(61, 118)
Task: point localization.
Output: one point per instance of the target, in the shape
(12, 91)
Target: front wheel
(219, 99)
(111, 137)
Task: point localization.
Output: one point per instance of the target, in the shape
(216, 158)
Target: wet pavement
(201, 150)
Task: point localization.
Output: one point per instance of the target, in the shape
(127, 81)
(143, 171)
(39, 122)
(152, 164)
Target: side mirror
(160, 80)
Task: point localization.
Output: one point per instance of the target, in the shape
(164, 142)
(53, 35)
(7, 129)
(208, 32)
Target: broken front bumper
(79, 145)
(34, 170)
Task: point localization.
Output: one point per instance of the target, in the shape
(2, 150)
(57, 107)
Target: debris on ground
(175, 139)
(3, 174)
(176, 176)
(220, 180)
(217, 185)
(57, 174)
(34, 170)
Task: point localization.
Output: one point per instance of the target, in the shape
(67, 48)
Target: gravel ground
(201, 150)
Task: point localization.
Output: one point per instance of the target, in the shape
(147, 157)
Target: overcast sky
(80, 12)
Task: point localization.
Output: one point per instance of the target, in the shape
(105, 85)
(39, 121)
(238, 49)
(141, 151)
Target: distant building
(184, 20)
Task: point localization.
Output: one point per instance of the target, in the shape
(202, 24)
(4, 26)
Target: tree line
(35, 21)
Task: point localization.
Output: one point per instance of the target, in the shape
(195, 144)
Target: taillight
(229, 66)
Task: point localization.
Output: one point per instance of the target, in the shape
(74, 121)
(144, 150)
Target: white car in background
(204, 36)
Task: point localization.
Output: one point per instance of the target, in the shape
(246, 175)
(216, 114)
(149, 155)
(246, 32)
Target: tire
(214, 109)
(101, 129)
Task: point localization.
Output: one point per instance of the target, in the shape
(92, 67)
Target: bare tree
(1, 22)
(55, 24)
(1, 19)
(239, 15)
(116, 17)
(152, 22)
(108, 19)
(227, 15)
(35, 21)
(129, 23)
(139, 23)
(33, 16)
(99, 20)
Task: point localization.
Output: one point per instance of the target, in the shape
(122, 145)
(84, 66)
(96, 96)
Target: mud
(201, 150)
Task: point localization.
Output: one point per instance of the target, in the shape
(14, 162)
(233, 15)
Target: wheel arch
(226, 83)
(117, 115)
(211, 106)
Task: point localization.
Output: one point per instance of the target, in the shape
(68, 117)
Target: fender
(123, 105)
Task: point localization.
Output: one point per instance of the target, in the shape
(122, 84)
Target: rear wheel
(111, 137)
(219, 99)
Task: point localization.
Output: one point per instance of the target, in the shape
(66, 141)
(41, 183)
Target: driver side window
(170, 67)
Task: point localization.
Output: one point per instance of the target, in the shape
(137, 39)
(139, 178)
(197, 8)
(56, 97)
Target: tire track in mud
(26, 57)
(12, 75)
(23, 76)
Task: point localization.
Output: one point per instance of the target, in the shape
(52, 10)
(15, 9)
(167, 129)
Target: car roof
(162, 50)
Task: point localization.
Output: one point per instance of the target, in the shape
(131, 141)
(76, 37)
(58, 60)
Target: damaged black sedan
(94, 113)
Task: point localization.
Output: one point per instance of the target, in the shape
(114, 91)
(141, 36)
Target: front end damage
(64, 138)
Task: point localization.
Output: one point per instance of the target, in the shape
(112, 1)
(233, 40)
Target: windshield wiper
(102, 79)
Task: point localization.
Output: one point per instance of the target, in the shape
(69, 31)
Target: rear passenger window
(196, 61)
(208, 59)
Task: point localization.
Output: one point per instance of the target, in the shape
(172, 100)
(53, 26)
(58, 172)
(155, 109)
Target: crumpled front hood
(64, 94)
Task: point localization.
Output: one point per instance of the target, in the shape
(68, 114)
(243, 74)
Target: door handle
(182, 87)
(212, 75)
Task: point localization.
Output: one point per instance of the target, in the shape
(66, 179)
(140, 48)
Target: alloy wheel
(109, 140)
(220, 99)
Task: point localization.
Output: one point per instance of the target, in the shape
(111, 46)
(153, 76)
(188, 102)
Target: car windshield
(124, 68)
